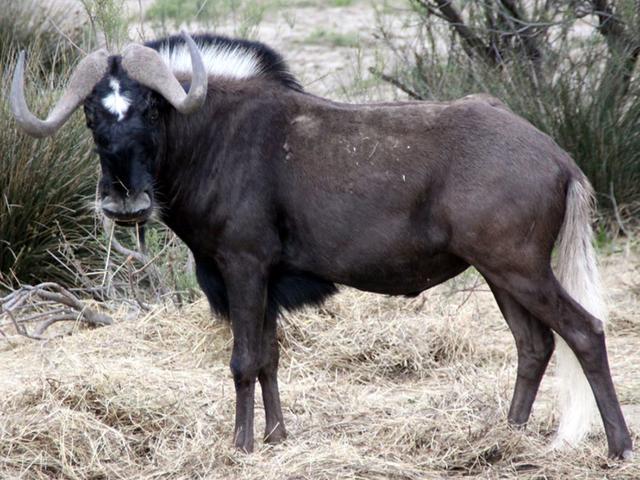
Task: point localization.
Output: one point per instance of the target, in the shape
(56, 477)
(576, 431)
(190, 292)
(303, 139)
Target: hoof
(244, 448)
(277, 435)
(243, 443)
(626, 455)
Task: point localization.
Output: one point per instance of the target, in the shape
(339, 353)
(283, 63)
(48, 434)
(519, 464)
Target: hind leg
(534, 343)
(268, 377)
(541, 294)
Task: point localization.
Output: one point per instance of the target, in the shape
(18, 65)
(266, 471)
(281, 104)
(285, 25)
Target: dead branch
(471, 43)
(36, 317)
(608, 24)
(141, 257)
(118, 247)
(134, 291)
(54, 319)
(396, 83)
(624, 49)
(616, 211)
(41, 303)
(527, 33)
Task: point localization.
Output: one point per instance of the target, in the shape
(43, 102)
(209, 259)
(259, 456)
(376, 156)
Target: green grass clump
(106, 17)
(46, 186)
(179, 11)
(334, 39)
(245, 15)
(341, 3)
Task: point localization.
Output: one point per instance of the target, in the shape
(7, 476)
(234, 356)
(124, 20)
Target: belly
(390, 238)
(404, 278)
(389, 271)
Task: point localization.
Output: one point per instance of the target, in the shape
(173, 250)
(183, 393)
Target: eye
(89, 117)
(153, 114)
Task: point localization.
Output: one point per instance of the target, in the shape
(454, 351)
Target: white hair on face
(115, 102)
(219, 60)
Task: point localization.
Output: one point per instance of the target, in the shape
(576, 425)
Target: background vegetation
(46, 186)
(568, 67)
(49, 230)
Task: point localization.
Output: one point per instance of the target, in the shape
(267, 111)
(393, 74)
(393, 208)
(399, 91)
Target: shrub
(47, 185)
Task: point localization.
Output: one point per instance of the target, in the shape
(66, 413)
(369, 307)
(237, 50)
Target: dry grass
(373, 387)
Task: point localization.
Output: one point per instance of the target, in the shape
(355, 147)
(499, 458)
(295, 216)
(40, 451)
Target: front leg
(268, 377)
(246, 283)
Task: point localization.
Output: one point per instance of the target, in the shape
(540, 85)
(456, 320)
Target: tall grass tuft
(47, 224)
(46, 186)
(42, 27)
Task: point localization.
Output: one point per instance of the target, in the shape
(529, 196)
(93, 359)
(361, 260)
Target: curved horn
(146, 66)
(88, 72)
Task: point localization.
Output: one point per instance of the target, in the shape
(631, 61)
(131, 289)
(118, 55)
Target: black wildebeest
(280, 195)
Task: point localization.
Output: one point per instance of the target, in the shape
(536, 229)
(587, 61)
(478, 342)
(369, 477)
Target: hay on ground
(372, 387)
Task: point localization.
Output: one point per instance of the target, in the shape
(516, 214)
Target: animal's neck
(210, 154)
(181, 169)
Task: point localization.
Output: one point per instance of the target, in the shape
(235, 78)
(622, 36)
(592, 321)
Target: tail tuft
(577, 271)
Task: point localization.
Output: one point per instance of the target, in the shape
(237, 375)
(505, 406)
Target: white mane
(219, 60)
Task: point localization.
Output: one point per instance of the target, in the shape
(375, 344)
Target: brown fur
(392, 198)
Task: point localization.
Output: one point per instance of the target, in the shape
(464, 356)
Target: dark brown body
(280, 194)
(398, 168)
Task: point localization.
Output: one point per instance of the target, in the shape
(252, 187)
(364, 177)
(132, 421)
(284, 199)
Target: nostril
(139, 203)
(111, 204)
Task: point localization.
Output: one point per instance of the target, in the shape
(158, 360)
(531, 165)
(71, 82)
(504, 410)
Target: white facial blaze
(115, 102)
(220, 60)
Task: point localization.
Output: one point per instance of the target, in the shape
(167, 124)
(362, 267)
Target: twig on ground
(616, 211)
(134, 291)
(118, 247)
(141, 257)
(32, 301)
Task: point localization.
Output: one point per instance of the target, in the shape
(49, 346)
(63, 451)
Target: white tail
(577, 271)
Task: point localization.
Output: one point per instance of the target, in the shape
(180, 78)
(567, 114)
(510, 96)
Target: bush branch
(41, 302)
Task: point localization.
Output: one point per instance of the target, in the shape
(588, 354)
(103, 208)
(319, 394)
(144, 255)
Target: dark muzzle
(129, 210)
